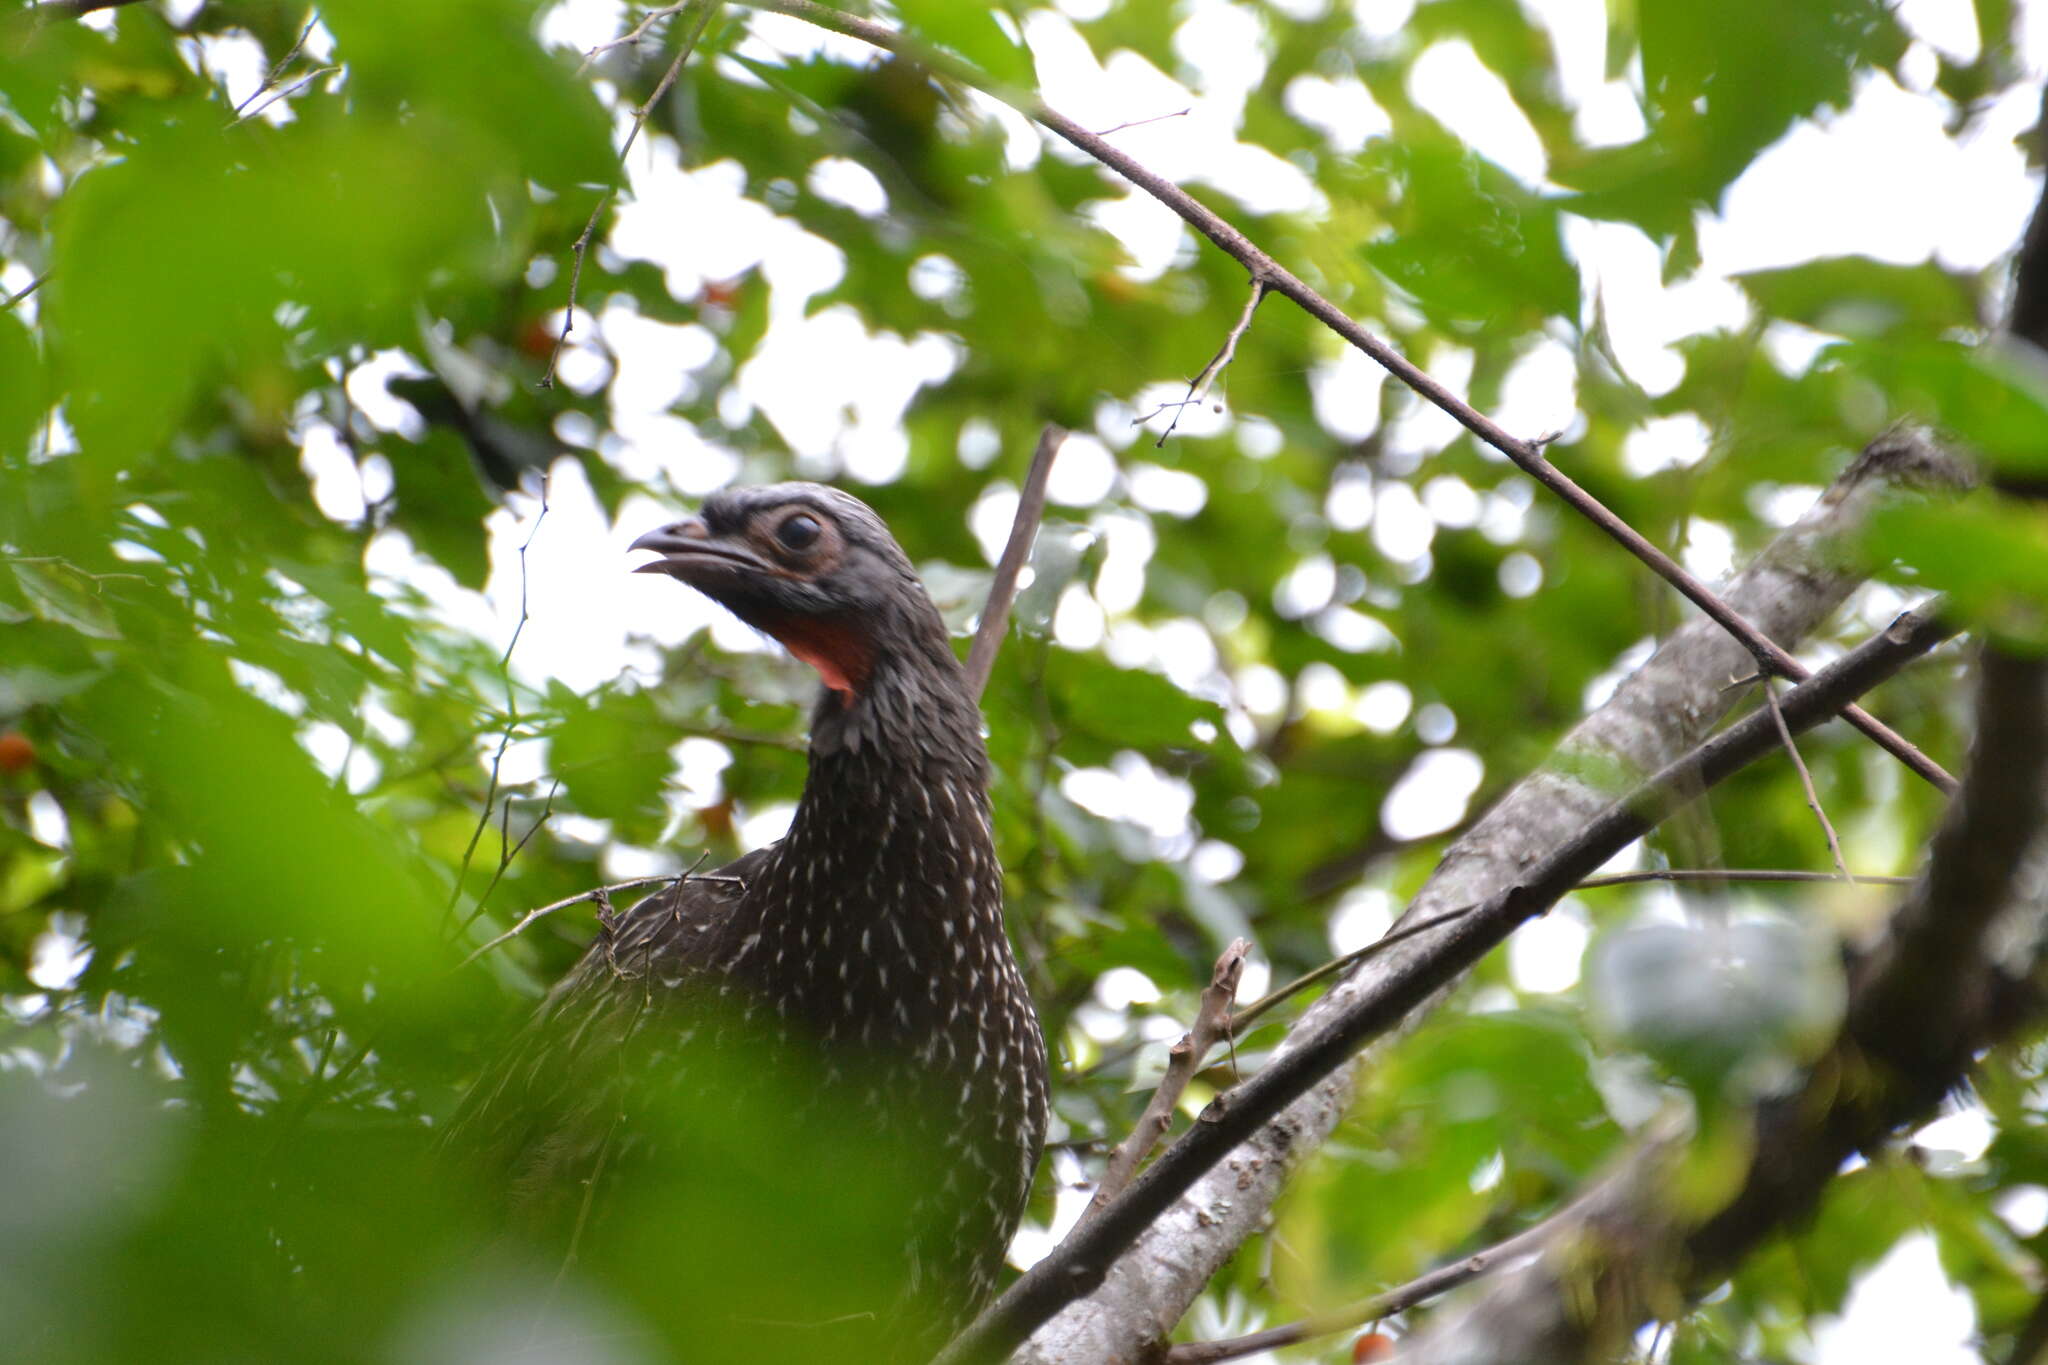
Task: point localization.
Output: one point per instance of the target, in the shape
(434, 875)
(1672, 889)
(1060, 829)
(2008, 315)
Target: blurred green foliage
(253, 805)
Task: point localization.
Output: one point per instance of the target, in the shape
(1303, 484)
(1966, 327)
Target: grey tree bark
(1666, 707)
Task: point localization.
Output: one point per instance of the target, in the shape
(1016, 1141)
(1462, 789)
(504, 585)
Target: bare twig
(1141, 122)
(1421, 1289)
(632, 37)
(581, 248)
(1738, 875)
(277, 71)
(1528, 455)
(570, 1255)
(73, 9)
(483, 821)
(37, 283)
(1212, 1021)
(294, 88)
(596, 893)
(508, 850)
(1198, 388)
(1002, 590)
(1244, 1018)
(1805, 780)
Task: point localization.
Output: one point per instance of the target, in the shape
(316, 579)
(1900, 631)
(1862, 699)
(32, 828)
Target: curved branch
(1920, 1008)
(1002, 589)
(1668, 705)
(1270, 275)
(1436, 960)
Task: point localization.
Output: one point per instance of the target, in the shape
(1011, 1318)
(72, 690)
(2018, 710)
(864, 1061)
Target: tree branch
(1212, 1021)
(1921, 1006)
(596, 893)
(1421, 1289)
(1269, 274)
(1365, 1010)
(1002, 589)
(580, 249)
(1668, 705)
(1198, 387)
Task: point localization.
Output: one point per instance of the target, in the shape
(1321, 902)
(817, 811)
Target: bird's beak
(688, 547)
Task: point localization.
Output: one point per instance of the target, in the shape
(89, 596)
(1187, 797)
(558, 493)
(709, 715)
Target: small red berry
(17, 754)
(1372, 1346)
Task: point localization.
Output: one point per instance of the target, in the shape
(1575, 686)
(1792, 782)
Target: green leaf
(1125, 707)
(1994, 397)
(971, 31)
(1990, 554)
(1465, 239)
(24, 397)
(611, 756)
(441, 505)
(280, 223)
(63, 595)
(1857, 296)
(273, 849)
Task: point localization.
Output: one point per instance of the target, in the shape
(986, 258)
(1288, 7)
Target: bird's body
(851, 986)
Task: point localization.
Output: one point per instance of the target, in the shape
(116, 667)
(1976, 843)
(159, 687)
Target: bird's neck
(899, 780)
(884, 901)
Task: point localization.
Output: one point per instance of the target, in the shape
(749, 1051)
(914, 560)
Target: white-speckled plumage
(871, 934)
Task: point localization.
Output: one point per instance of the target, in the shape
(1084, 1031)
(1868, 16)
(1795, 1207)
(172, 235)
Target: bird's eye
(799, 532)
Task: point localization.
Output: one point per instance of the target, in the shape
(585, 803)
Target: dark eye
(799, 532)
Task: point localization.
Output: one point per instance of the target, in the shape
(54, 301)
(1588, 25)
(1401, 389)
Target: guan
(820, 1062)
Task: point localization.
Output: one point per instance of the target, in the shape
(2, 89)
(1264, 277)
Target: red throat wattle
(840, 652)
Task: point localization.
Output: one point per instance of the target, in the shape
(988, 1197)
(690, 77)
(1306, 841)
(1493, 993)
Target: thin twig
(581, 248)
(569, 1256)
(508, 851)
(1212, 1021)
(294, 88)
(1739, 875)
(73, 9)
(1002, 590)
(277, 71)
(1384, 1305)
(1805, 780)
(319, 1088)
(37, 283)
(1141, 122)
(505, 737)
(596, 893)
(1244, 1018)
(1198, 389)
(1528, 455)
(632, 37)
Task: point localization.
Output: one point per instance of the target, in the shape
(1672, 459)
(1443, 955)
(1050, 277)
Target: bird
(834, 1020)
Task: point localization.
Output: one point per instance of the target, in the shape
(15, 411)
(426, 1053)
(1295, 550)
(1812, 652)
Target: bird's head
(813, 567)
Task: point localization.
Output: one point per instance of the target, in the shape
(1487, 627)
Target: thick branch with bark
(1921, 1006)
(1457, 940)
(1666, 707)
